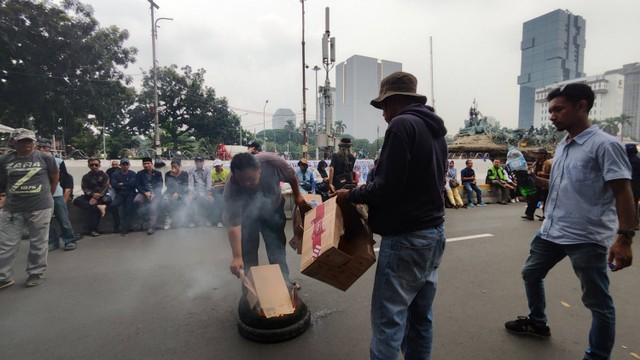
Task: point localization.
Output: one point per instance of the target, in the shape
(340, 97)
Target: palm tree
(621, 121)
(290, 127)
(339, 127)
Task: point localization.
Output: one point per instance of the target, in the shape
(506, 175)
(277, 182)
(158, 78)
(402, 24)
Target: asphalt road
(171, 296)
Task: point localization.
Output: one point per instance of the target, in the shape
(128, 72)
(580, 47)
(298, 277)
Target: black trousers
(533, 199)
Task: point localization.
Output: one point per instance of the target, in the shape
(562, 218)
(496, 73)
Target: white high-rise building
(609, 94)
(280, 118)
(357, 83)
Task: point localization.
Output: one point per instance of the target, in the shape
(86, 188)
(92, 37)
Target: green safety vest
(500, 173)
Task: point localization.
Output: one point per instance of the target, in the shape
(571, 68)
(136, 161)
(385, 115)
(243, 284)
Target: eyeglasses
(94, 165)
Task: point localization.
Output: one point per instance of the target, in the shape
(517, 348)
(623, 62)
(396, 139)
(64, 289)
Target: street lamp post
(156, 122)
(304, 92)
(316, 69)
(264, 124)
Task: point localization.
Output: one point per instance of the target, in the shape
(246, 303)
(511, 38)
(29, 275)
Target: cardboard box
(298, 223)
(337, 245)
(267, 291)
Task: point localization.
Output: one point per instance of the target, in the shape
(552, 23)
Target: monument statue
(476, 124)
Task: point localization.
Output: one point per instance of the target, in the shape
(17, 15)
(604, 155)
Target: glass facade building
(552, 51)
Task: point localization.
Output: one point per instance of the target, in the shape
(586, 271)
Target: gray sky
(251, 49)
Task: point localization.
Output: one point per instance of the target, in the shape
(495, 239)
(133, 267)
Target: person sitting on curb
(219, 177)
(95, 185)
(468, 177)
(149, 185)
(200, 197)
(305, 177)
(123, 183)
(497, 179)
(451, 187)
(177, 182)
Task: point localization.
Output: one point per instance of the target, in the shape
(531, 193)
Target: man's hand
(96, 196)
(620, 253)
(342, 196)
(175, 196)
(93, 201)
(303, 205)
(237, 266)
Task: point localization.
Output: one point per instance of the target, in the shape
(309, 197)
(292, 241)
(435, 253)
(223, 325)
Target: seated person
(497, 178)
(177, 183)
(95, 185)
(218, 178)
(305, 177)
(468, 177)
(200, 198)
(149, 185)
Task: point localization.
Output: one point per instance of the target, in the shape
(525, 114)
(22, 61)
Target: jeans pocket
(414, 261)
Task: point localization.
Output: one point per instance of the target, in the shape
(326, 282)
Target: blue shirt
(581, 206)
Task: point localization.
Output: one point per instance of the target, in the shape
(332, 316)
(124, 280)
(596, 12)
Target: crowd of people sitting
(179, 199)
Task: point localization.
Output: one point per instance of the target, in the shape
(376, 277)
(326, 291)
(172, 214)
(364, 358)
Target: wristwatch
(627, 233)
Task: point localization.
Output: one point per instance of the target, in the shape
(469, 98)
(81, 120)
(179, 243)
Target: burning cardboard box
(267, 291)
(337, 245)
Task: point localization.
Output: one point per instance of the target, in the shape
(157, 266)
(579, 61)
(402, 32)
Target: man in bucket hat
(29, 178)
(406, 207)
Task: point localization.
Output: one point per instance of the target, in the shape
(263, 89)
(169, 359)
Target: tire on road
(256, 327)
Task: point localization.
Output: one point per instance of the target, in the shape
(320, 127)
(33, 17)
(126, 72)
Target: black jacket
(406, 194)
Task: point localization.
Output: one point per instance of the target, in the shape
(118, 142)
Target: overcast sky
(251, 49)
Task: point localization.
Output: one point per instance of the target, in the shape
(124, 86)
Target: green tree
(621, 121)
(290, 127)
(57, 66)
(339, 127)
(185, 107)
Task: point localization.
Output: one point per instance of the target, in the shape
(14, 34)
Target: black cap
(198, 158)
(147, 159)
(255, 145)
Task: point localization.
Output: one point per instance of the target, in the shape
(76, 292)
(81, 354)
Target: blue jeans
(470, 188)
(128, 211)
(61, 216)
(270, 222)
(589, 262)
(405, 286)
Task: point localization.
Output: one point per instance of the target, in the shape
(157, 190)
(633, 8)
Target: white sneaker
(167, 224)
(513, 201)
(219, 225)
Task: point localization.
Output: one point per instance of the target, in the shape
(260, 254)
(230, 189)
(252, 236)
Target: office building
(552, 51)
(631, 103)
(609, 93)
(280, 118)
(357, 83)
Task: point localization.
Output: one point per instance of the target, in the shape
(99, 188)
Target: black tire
(254, 320)
(276, 335)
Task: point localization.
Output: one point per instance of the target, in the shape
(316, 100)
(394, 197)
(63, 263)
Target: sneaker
(528, 217)
(34, 280)
(482, 204)
(53, 247)
(94, 233)
(79, 236)
(525, 326)
(167, 224)
(70, 246)
(220, 225)
(472, 204)
(192, 225)
(151, 230)
(513, 201)
(124, 233)
(6, 284)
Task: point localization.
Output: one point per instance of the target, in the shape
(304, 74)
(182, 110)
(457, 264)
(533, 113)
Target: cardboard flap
(271, 289)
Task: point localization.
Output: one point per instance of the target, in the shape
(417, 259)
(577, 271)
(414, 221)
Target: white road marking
(461, 238)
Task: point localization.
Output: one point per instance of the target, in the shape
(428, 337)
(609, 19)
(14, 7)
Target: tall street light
(156, 122)
(304, 92)
(240, 128)
(316, 69)
(264, 124)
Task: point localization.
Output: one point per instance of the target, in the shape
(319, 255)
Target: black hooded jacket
(406, 194)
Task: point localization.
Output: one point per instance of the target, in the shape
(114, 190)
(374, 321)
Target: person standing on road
(588, 186)
(60, 209)
(406, 207)
(219, 177)
(254, 205)
(200, 198)
(341, 166)
(29, 178)
(541, 168)
(634, 160)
